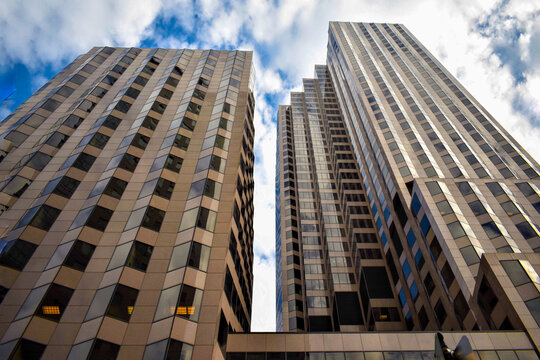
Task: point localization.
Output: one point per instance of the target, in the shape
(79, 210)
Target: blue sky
(493, 47)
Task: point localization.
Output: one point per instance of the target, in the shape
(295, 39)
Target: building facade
(127, 208)
(401, 203)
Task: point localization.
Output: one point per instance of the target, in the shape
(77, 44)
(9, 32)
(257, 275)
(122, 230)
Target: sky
(492, 47)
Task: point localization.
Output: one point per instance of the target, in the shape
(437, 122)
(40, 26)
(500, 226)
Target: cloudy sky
(493, 47)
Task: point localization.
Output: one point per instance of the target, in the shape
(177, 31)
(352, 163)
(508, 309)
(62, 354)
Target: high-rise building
(401, 203)
(127, 208)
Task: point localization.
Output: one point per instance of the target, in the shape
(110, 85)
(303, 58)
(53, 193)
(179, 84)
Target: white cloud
(38, 32)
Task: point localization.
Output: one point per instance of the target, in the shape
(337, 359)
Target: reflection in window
(66, 187)
(84, 162)
(115, 188)
(129, 162)
(174, 163)
(99, 218)
(16, 186)
(45, 217)
(139, 256)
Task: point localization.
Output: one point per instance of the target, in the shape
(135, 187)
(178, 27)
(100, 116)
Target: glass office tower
(127, 208)
(402, 204)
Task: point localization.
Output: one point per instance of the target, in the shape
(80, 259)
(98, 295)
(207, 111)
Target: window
(222, 142)
(526, 230)
(158, 107)
(65, 91)
(87, 105)
(510, 208)
(139, 256)
(150, 123)
(50, 105)
(491, 229)
(57, 139)
(194, 108)
(104, 350)
(66, 187)
(129, 162)
(174, 350)
(79, 255)
(140, 141)
(45, 217)
(77, 79)
(464, 188)
(440, 312)
(188, 123)
(115, 188)
(217, 164)
(16, 186)
(112, 122)
(174, 163)
(444, 207)
(456, 230)
(181, 142)
(99, 218)
(73, 121)
(477, 208)
(132, 92)
(27, 349)
(526, 189)
(167, 303)
(317, 302)
(165, 93)
(495, 188)
(35, 120)
(84, 162)
(189, 304)
(16, 253)
(199, 94)
(199, 256)
(515, 272)
(122, 106)
(469, 255)
(99, 304)
(38, 161)
(179, 256)
(55, 302)
(153, 218)
(534, 307)
(99, 140)
(206, 219)
(164, 188)
(99, 92)
(122, 303)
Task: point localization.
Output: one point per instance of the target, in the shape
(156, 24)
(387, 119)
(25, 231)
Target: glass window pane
(139, 256)
(135, 218)
(100, 218)
(115, 188)
(29, 306)
(45, 217)
(17, 186)
(179, 256)
(189, 305)
(153, 218)
(59, 255)
(122, 303)
(119, 256)
(79, 255)
(55, 302)
(66, 187)
(188, 219)
(199, 256)
(206, 219)
(100, 303)
(167, 303)
(196, 189)
(164, 188)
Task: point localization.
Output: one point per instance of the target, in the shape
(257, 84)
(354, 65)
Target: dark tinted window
(99, 140)
(16, 186)
(188, 123)
(84, 162)
(158, 107)
(150, 123)
(199, 256)
(50, 105)
(139, 256)
(99, 218)
(174, 163)
(112, 122)
(16, 254)
(73, 121)
(104, 350)
(27, 349)
(38, 161)
(66, 187)
(129, 162)
(495, 188)
(181, 142)
(189, 304)
(99, 92)
(164, 188)
(57, 139)
(55, 302)
(77, 79)
(16, 137)
(115, 188)
(132, 92)
(45, 217)
(140, 141)
(65, 91)
(122, 303)
(35, 120)
(123, 106)
(153, 218)
(80, 255)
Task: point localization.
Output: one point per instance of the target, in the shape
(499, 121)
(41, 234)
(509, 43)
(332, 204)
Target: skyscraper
(401, 203)
(127, 205)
